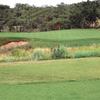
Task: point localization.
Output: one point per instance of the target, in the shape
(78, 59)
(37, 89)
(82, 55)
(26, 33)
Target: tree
(24, 17)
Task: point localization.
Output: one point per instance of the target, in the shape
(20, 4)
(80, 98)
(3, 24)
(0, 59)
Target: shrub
(41, 54)
(7, 58)
(18, 53)
(59, 52)
(21, 54)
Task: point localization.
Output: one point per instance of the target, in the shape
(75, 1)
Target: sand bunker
(14, 45)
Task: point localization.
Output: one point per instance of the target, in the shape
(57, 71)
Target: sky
(12, 3)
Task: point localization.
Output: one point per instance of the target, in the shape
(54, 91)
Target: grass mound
(74, 37)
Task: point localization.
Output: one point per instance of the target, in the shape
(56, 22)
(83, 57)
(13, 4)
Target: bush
(21, 54)
(59, 52)
(41, 54)
(18, 53)
(7, 58)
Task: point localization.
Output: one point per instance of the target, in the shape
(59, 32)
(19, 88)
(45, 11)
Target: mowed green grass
(72, 37)
(50, 71)
(73, 79)
(83, 90)
(57, 35)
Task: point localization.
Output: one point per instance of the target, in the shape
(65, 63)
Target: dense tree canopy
(24, 17)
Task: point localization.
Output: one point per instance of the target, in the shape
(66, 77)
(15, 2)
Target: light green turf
(75, 79)
(83, 90)
(73, 37)
(58, 35)
(50, 71)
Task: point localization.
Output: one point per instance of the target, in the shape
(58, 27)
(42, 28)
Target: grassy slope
(72, 37)
(51, 71)
(48, 71)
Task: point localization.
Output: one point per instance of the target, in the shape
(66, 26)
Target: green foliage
(27, 18)
(59, 52)
(48, 54)
(40, 54)
(7, 58)
(20, 54)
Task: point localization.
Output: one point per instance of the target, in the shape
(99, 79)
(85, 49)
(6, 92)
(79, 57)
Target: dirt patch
(11, 45)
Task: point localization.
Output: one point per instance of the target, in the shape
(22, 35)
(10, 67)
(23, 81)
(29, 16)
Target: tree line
(27, 18)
